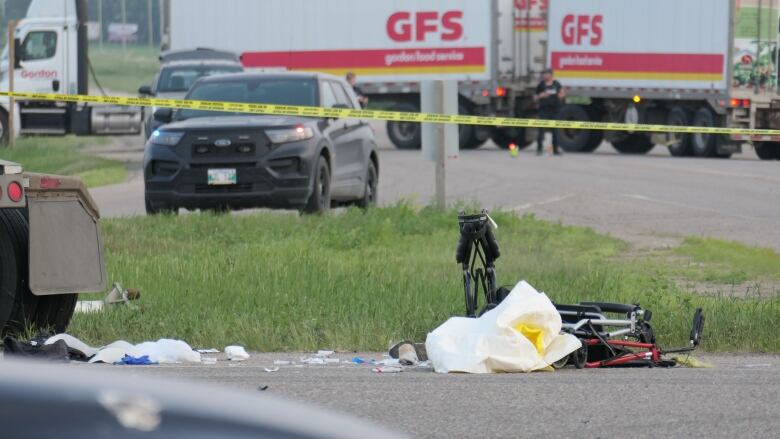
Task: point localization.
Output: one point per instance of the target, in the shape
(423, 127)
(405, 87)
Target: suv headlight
(286, 135)
(166, 138)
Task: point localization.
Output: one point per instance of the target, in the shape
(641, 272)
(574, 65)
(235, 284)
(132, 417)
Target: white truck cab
(52, 57)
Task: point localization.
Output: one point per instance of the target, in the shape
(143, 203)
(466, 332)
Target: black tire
(705, 145)
(636, 143)
(372, 184)
(466, 132)
(156, 208)
(679, 144)
(594, 141)
(54, 312)
(319, 201)
(580, 356)
(480, 134)
(4, 128)
(470, 295)
(560, 364)
(405, 135)
(503, 137)
(767, 150)
(17, 302)
(574, 140)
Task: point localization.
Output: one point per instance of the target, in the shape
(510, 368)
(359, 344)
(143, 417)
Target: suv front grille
(227, 189)
(236, 149)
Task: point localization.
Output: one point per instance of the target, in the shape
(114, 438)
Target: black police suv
(216, 160)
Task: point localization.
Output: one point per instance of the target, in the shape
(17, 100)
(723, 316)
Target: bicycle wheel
(471, 297)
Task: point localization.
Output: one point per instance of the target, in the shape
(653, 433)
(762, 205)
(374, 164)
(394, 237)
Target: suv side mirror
(164, 115)
(145, 90)
(18, 53)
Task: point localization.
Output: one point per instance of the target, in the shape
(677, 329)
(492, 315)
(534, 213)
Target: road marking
(688, 206)
(543, 202)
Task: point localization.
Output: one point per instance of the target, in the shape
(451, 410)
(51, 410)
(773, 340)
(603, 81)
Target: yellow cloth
(534, 335)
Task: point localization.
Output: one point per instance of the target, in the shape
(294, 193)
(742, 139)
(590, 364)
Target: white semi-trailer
(705, 62)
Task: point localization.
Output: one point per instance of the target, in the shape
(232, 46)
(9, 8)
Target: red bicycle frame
(651, 353)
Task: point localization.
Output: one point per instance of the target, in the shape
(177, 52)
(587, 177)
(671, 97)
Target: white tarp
(522, 334)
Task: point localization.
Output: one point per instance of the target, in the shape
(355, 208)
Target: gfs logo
(579, 29)
(530, 4)
(407, 26)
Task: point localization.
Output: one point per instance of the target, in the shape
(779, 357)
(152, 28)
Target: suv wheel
(319, 201)
(372, 181)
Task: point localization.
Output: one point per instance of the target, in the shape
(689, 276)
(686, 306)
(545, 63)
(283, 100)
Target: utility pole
(150, 23)
(100, 20)
(124, 24)
(11, 74)
(439, 141)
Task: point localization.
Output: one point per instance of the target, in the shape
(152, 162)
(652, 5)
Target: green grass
(123, 71)
(731, 262)
(66, 156)
(359, 280)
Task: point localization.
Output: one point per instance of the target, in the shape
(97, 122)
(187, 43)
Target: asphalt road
(649, 200)
(736, 398)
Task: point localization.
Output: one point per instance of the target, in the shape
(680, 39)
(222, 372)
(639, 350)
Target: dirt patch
(754, 289)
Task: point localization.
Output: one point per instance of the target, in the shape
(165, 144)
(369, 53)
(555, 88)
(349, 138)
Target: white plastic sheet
(521, 334)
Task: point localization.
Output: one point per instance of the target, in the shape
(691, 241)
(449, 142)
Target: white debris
(282, 362)
(208, 351)
(160, 351)
(331, 360)
(388, 369)
(270, 370)
(312, 360)
(236, 353)
(324, 354)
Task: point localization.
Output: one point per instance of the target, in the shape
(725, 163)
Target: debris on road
(419, 349)
(161, 351)
(208, 360)
(358, 360)
(324, 354)
(207, 351)
(521, 334)
(282, 362)
(313, 360)
(270, 370)
(236, 353)
(262, 388)
(129, 360)
(116, 296)
(388, 369)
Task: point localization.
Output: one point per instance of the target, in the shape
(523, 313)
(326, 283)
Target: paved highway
(649, 200)
(736, 398)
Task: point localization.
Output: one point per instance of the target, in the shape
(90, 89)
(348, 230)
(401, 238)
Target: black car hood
(240, 121)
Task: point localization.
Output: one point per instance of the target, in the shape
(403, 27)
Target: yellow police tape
(399, 116)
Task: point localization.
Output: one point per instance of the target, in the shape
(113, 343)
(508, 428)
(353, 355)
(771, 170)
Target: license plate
(219, 177)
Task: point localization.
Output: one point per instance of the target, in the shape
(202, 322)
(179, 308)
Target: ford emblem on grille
(222, 143)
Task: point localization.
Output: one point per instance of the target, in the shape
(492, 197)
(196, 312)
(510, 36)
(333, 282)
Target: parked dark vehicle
(179, 70)
(218, 160)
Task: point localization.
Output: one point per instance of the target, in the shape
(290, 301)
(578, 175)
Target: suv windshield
(279, 91)
(181, 78)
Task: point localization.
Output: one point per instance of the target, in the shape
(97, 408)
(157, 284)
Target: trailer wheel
(705, 145)
(17, 302)
(405, 135)
(466, 133)
(679, 144)
(635, 143)
(767, 150)
(570, 139)
(4, 129)
(54, 312)
(503, 137)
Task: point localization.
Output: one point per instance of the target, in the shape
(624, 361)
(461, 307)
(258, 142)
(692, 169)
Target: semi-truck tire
(405, 135)
(480, 134)
(54, 312)
(705, 145)
(4, 129)
(17, 302)
(466, 132)
(635, 143)
(576, 140)
(503, 137)
(767, 150)
(679, 144)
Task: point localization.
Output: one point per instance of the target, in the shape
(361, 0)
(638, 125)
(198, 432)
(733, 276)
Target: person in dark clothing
(352, 81)
(549, 94)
